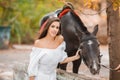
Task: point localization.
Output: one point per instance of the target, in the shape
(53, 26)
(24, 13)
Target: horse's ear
(95, 30)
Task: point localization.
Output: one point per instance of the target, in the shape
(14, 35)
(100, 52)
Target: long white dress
(43, 62)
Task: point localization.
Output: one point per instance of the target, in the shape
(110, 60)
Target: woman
(48, 51)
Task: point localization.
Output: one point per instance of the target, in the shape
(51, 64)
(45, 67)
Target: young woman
(48, 51)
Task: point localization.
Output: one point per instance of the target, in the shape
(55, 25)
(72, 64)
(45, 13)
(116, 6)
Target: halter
(83, 40)
(87, 39)
(97, 63)
(65, 11)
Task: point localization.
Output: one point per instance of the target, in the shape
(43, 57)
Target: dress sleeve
(63, 54)
(35, 56)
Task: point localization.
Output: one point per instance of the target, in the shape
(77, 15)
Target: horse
(77, 37)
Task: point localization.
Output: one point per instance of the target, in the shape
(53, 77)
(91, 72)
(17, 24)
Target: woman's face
(54, 29)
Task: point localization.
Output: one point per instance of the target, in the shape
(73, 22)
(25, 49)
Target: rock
(20, 71)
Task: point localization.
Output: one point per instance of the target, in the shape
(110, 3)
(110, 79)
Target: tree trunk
(113, 22)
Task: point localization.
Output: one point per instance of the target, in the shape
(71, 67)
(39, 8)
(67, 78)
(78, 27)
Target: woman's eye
(52, 26)
(57, 27)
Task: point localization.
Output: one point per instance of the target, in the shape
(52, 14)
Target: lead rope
(107, 67)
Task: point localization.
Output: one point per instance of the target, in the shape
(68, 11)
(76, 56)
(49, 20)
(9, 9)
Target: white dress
(43, 62)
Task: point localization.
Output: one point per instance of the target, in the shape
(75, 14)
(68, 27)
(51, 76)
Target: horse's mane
(82, 26)
(75, 16)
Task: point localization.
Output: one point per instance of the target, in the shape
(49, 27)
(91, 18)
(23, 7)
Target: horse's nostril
(93, 71)
(91, 66)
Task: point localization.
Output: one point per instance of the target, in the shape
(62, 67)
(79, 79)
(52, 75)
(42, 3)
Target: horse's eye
(81, 47)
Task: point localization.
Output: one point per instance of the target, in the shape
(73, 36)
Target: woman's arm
(118, 68)
(73, 58)
(31, 78)
(35, 55)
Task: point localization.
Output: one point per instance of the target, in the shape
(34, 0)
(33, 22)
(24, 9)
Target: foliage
(6, 10)
(94, 4)
(24, 17)
(116, 4)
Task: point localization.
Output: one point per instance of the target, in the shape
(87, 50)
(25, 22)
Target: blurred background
(23, 17)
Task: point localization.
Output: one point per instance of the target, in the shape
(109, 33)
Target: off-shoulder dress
(44, 61)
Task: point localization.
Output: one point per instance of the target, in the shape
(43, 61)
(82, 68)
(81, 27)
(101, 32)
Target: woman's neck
(50, 38)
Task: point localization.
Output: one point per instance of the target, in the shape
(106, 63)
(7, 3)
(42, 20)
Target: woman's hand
(78, 54)
(72, 58)
(118, 68)
(32, 78)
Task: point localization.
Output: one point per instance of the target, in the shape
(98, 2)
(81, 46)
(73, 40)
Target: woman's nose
(55, 29)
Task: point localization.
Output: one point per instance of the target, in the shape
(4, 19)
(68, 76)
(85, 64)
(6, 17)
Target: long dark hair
(45, 26)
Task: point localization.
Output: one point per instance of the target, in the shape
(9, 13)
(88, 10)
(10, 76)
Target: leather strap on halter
(65, 11)
(88, 39)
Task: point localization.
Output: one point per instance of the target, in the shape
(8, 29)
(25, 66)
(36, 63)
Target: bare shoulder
(60, 38)
(37, 43)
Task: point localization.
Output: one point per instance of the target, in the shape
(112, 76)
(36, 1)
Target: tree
(113, 22)
(23, 16)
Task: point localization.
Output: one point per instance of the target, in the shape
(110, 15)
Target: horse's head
(90, 51)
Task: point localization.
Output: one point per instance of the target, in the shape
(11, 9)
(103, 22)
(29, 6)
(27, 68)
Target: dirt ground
(20, 54)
